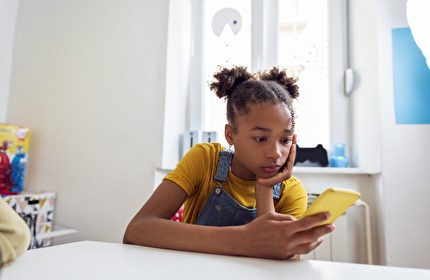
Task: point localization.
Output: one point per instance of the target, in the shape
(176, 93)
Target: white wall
(405, 149)
(88, 78)
(406, 164)
(8, 10)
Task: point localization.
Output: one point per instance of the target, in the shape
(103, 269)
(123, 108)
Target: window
(293, 34)
(305, 36)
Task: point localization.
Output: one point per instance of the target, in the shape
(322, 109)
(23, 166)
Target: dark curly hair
(240, 88)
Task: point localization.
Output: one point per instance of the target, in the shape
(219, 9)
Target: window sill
(333, 170)
(318, 170)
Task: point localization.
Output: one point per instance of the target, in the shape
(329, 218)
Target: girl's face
(262, 142)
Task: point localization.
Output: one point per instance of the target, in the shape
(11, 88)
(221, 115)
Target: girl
(244, 202)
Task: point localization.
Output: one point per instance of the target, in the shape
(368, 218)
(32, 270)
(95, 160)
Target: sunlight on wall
(419, 20)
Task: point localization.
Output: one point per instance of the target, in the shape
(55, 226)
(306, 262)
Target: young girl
(244, 202)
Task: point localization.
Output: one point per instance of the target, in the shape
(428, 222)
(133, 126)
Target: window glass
(302, 48)
(228, 47)
(303, 51)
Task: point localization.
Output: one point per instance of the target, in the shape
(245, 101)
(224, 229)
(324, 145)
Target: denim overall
(221, 209)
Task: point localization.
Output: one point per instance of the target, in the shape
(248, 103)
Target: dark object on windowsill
(316, 156)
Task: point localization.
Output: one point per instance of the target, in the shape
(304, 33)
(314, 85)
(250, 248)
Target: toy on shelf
(313, 156)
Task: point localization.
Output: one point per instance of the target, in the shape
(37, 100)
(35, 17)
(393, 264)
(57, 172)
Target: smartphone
(333, 200)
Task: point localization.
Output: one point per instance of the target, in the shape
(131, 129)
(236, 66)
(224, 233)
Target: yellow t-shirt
(195, 175)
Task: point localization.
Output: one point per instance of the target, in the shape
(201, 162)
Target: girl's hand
(279, 236)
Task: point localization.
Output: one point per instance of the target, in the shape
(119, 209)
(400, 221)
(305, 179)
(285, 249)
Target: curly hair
(241, 88)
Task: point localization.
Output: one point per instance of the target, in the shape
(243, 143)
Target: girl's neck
(240, 171)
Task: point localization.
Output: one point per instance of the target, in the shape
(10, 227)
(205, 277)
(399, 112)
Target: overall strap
(224, 162)
(277, 191)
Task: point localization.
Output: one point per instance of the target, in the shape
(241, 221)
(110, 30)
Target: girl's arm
(271, 235)
(152, 226)
(264, 198)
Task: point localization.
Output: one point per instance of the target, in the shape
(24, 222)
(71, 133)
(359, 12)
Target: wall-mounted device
(349, 81)
(197, 136)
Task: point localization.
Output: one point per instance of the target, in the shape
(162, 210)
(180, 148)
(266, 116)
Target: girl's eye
(286, 140)
(260, 139)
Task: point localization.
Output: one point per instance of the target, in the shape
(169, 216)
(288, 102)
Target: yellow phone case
(333, 200)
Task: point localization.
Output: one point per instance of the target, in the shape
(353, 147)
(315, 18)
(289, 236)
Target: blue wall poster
(411, 77)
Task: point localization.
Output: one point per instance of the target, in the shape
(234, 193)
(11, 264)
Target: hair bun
(280, 76)
(228, 79)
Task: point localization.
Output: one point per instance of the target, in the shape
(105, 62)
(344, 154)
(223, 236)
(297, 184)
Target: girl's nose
(274, 151)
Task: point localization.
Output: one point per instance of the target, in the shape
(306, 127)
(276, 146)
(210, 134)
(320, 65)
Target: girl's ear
(228, 133)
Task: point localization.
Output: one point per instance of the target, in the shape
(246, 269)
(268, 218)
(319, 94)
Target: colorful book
(14, 144)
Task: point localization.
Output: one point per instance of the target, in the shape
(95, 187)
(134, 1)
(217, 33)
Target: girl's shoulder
(196, 168)
(201, 157)
(205, 150)
(293, 183)
(292, 180)
(293, 200)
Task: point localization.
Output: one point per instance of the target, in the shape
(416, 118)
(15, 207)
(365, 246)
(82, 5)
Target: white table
(99, 260)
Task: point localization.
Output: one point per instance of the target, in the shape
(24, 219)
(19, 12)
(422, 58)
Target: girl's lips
(270, 168)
